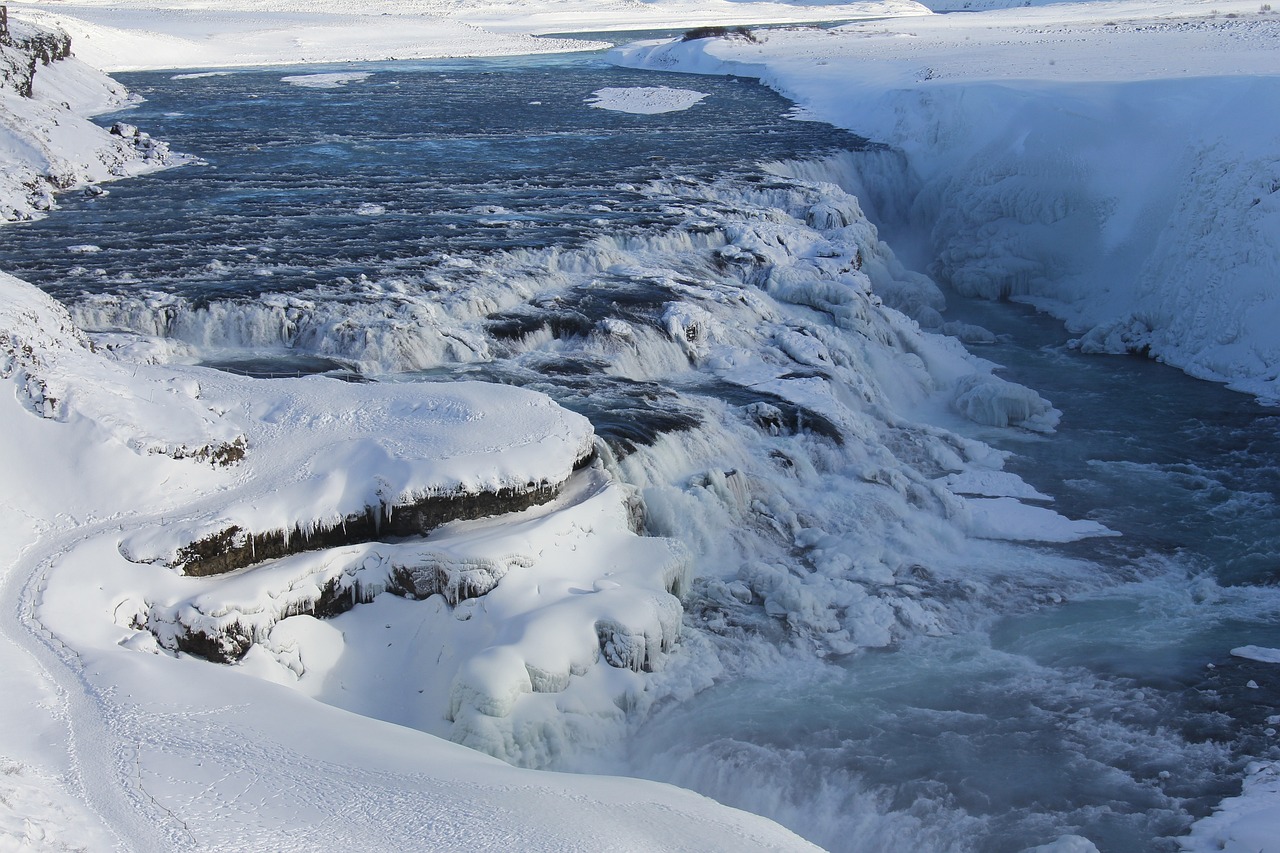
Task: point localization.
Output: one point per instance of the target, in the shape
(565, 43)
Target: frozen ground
(1154, 161)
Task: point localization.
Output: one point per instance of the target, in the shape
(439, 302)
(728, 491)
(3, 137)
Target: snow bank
(142, 34)
(1243, 824)
(1084, 172)
(645, 100)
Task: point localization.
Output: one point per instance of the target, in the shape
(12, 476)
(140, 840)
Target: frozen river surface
(330, 224)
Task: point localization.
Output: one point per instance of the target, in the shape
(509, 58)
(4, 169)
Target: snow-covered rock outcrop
(538, 628)
(47, 143)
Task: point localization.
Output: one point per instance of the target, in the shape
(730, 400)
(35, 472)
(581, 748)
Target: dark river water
(384, 174)
(326, 227)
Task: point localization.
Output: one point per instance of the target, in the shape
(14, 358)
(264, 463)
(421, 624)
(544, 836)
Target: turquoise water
(1118, 714)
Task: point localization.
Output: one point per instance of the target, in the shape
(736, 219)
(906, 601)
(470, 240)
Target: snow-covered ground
(1116, 165)
(48, 145)
(138, 34)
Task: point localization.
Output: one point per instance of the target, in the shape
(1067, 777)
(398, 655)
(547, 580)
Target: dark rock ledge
(234, 548)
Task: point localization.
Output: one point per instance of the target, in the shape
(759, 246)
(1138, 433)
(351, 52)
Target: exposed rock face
(232, 548)
(23, 49)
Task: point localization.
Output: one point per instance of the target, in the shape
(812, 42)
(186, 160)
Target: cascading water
(854, 665)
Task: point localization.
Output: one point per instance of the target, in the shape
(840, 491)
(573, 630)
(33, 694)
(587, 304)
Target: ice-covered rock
(993, 401)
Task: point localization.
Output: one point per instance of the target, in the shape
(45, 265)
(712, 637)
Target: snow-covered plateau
(252, 614)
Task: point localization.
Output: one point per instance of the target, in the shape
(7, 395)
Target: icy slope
(1085, 170)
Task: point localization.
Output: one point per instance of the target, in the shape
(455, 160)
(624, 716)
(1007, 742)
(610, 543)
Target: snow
(1116, 166)
(1006, 518)
(1244, 824)
(335, 80)
(113, 740)
(1106, 169)
(47, 143)
(143, 34)
(993, 484)
(645, 100)
(1258, 653)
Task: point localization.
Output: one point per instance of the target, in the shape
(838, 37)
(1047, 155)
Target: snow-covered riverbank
(139, 34)
(1111, 163)
(47, 143)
